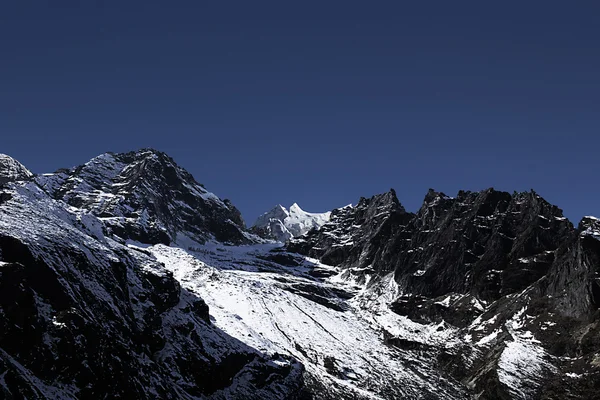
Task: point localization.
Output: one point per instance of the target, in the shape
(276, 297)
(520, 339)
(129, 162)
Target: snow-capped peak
(295, 208)
(145, 196)
(282, 225)
(299, 221)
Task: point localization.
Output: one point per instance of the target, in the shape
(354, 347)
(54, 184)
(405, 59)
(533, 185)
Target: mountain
(145, 196)
(126, 278)
(508, 271)
(84, 315)
(282, 225)
(487, 238)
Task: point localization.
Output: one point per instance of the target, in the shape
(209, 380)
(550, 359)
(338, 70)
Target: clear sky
(314, 102)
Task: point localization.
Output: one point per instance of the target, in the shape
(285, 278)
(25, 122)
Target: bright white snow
(285, 310)
(523, 362)
(285, 224)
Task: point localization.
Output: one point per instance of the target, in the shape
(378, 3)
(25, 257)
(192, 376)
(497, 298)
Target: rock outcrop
(145, 196)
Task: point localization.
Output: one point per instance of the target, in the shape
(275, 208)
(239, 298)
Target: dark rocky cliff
(481, 261)
(487, 243)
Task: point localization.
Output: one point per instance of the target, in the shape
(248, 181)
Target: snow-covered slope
(83, 316)
(282, 224)
(285, 309)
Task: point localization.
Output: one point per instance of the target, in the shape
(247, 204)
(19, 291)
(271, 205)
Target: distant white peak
(282, 224)
(295, 208)
(12, 170)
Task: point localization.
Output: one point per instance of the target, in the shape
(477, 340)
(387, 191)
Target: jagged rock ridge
(509, 270)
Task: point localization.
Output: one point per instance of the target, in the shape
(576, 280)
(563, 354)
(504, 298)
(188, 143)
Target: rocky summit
(126, 278)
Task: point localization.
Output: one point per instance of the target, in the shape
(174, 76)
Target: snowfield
(285, 310)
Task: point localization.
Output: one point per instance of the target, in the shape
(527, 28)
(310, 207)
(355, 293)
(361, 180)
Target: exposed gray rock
(145, 196)
(12, 170)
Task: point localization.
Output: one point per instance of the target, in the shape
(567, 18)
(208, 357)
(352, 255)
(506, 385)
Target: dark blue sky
(314, 102)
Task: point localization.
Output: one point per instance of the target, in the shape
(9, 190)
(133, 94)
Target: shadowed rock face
(486, 243)
(489, 244)
(123, 331)
(83, 316)
(145, 196)
(508, 270)
(574, 281)
(356, 237)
